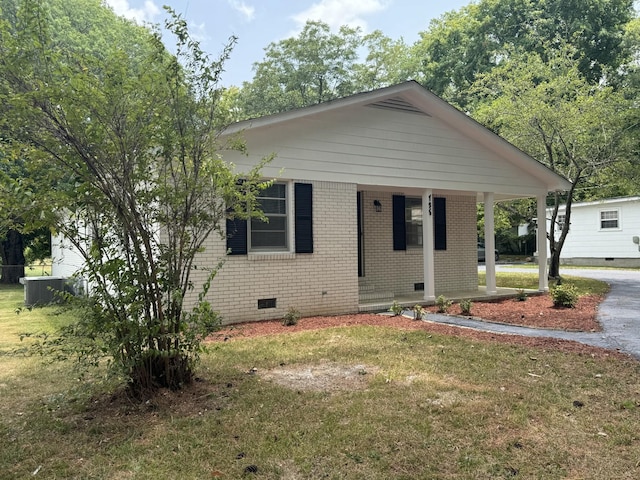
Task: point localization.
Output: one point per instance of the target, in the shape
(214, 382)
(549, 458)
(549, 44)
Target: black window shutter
(399, 223)
(237, 236)
(304, 217)
(440, 223)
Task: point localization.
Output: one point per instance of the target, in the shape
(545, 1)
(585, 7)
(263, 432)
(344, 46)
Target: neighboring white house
(601, 233)
(375, 198)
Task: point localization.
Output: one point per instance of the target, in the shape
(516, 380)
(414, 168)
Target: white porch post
(427, 245)
(543, 282)
(489, 243)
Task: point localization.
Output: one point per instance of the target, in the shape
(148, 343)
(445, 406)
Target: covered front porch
(417, 244)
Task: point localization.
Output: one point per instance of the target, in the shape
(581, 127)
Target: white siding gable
(383, 147)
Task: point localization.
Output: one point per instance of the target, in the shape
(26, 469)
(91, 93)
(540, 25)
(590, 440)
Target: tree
(314, 67)
(24, 233)
(386, 63)
(22, 225)
(550, 110)
(473, 40)
(452, 52)
(136, 183)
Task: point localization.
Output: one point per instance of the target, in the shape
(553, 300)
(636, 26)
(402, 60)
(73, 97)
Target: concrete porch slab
(409, 301)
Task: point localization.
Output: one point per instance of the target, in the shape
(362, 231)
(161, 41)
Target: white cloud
(146, 13)
(198, 31)
(247, 11)
(337, 13)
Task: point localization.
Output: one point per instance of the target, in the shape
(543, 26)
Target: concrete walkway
(619, 313)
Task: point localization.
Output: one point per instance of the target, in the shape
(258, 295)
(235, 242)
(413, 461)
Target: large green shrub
(564, 295)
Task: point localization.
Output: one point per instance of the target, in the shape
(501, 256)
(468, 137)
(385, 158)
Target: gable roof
(411, 97)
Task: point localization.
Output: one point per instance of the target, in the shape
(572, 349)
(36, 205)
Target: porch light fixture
(378, 205)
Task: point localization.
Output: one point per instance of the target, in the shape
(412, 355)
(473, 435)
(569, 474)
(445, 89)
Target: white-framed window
(413, 221)
(274, 234)
(610, 219)
(560, 219)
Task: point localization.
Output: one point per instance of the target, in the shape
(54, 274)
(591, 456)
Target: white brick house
(375, 192)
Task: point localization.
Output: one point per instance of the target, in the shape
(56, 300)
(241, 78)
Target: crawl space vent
(266, 303)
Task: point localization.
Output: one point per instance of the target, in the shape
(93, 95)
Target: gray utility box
(42, 290)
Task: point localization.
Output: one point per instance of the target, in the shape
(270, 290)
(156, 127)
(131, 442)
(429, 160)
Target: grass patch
(534, 266)
(38, 269)
(15, 319)
(525, 280)
(432, 406)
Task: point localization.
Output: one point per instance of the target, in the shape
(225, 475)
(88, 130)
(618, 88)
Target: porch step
(375, 296)
(374, 307)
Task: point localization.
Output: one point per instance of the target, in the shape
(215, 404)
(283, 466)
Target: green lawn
(530, 281)
(428, 406)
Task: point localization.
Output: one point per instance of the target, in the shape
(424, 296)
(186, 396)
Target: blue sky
(257, 23)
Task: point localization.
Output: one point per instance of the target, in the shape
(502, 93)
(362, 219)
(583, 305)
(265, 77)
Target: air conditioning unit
(42, 290)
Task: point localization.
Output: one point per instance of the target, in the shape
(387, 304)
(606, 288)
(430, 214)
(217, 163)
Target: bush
(396, 308)
(521, 295)
(291, 317)
(465, 306)
(443, 304)
(419, 312)
(564, 295)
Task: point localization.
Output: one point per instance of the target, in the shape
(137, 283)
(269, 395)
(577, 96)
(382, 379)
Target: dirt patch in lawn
(325, 377)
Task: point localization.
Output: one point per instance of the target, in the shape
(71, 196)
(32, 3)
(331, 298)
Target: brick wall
(324, 282)
(396, 272)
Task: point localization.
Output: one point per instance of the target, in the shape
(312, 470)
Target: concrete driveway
(619, 314)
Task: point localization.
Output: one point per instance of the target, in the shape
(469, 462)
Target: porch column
(489, 243)
(543, 282)
(427, 245)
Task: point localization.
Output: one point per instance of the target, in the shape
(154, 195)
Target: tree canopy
(91, 34)
(473, 40)
(318, 66)
(314, 67)
(551, 111)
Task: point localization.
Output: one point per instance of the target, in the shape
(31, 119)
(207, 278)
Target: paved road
(619, 313)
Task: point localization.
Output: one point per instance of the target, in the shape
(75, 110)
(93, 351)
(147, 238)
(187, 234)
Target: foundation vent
(266, 303)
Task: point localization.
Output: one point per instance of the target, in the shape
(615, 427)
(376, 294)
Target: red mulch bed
(536, 311)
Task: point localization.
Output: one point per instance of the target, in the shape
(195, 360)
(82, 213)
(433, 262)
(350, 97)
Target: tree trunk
(554, 265)
(12, 255)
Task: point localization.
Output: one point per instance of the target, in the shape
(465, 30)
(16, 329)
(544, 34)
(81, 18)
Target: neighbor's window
(609, 219)
(271, 235)
(413, 221)
(560, 219)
